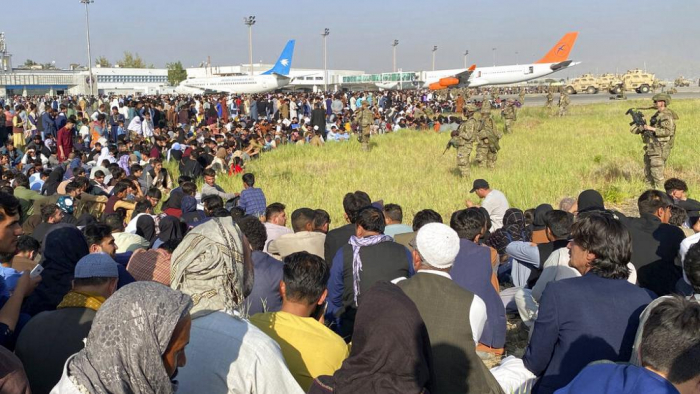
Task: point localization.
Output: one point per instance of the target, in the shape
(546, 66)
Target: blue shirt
(618, 379)
(253, 201)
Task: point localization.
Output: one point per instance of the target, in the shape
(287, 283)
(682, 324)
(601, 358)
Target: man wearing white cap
(453, 316)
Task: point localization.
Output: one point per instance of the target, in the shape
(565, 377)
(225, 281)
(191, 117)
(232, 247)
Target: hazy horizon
(613, 36)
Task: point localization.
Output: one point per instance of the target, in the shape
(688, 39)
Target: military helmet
(365, 103)
(471, 108)
(662, 97)
(485, 107)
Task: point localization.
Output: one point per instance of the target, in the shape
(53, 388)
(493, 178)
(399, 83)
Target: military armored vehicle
(637, 80)
(586, 83)
(681, 82)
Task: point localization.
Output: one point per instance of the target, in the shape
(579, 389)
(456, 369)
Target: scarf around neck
(77, 299)
(356, 244)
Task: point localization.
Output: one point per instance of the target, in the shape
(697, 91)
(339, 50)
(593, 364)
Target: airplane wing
(459, 79)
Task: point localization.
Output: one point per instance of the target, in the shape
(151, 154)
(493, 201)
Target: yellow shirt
(309, 348)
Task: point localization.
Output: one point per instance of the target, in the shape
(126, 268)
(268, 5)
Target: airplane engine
(449, 81)
(436, 86)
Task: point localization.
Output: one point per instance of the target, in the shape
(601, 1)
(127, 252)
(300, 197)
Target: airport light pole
(87, 28)
(465, 58)
(394, 45)
(325, 34)
(494, 56)
(250, 21)
(434, 50)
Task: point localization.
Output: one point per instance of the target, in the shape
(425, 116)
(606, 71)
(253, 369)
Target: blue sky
(614, 35)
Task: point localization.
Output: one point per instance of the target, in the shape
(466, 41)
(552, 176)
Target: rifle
(639, 121)
(452, 143)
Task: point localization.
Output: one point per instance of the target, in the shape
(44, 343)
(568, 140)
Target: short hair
(678, 216)
(274, 209)
(184, 178)
(154, 193)
(114, 221)
(301, 217)
(651, 200)
(675, 184)
(78, 171)
(189, 188)
(120, 187)
(212, 201)
(237, 213)
(72, 186)
(135, 168)
(394, 212)
(567, 203)
(305, 277)
(371, 219)
(468, 223)
(353, 202)
(321, 217)
(610, 242)
(559, 223)
(670, 342)
(249, 179)
(209, 172)
(141, 207)
(529, 216)
(170, 245)
(691, 266)
(99, 174)
(27, 243)
(424, 217)
(254, 230)
(22, 180)
(47, 211)
(95, 233)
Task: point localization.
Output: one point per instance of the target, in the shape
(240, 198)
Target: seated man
(118, 199)
(226, 353)
(369, 257)
(126, 242)
(265, 295)
(51, 215)
(669, 352)
(275, 223)
(453, 316)
(472, 271)
(211, 188)
(252, 198)
(304, 237)
(393, 215)
(577, 321)
(309, 348)
(677, 189)
(43, 351)
(420, 219)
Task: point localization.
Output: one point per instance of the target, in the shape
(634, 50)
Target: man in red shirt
(65, 140)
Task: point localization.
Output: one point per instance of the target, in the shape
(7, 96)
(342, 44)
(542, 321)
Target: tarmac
(538, 100)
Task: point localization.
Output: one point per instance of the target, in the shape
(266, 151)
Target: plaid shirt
(253, 201)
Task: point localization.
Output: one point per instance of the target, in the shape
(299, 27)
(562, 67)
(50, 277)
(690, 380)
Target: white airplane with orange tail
(555, 60)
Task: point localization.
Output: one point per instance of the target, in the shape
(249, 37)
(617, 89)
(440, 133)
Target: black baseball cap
(479, 184)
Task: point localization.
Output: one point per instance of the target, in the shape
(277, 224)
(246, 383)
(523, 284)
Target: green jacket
(26, 199)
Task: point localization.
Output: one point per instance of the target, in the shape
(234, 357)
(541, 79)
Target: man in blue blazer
(588, 318)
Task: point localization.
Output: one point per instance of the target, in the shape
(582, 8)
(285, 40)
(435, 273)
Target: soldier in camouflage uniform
(365, 118)
(429, 113)
(465, 139)
(487, 139)
(658, 137)
(509, 116)
(521, 96)
(564, 102)
(550, 99)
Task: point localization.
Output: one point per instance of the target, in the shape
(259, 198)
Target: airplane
(274, 78)
(555, 60)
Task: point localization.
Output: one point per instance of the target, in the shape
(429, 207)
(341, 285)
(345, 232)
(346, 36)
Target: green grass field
(545, 159)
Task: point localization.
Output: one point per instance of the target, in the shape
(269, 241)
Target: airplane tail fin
(284, 63)
(560, 52)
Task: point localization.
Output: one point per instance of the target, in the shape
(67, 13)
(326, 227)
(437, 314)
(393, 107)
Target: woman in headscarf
(513, 229)
(63, 246)
(136, 344)
(173, 205)
(190, 214)
(146, 227)
(390, 351)
(124, 163)
(170, 228)
(51, 185)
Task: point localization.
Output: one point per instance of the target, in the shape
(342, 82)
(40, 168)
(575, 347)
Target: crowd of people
(149, 282)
